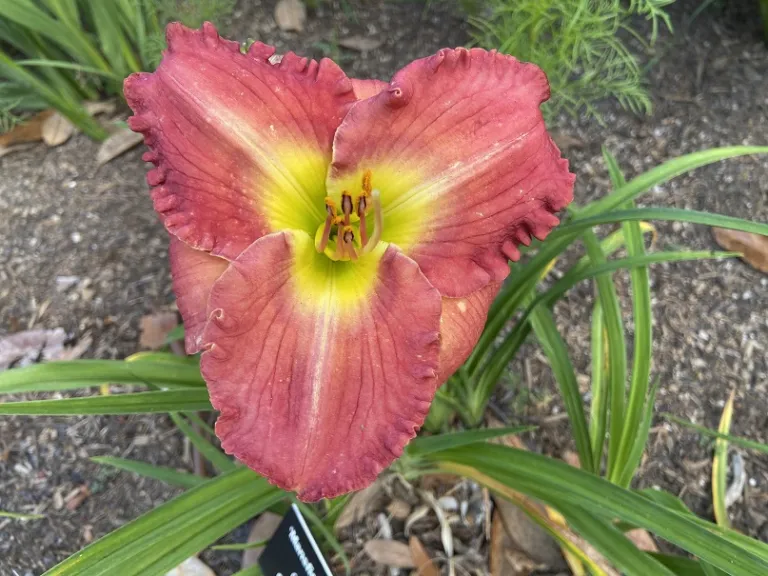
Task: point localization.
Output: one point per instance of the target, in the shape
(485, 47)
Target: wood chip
(642, 539)
(421, 560)
(753, 247)
(75, 498)
(290, 15)
(94, 108)
(155, 328)
(57, 129)
(389, 553)
(116, 144)
(191, 567)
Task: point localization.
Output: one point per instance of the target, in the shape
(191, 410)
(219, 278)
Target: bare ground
(64, 217)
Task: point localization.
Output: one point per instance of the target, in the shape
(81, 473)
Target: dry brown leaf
(94, 108)
(528, 536)
(290, 15)
(30, 130)
(191, 567)
(566, 141)
(399, 509)
(642, 539)
(360, 43)
(155, 329)
(421, 560)
(29, 346)
(505, 559)
(754, 247)
(359, 505)
(57, 129)
(117, 143)
(389, 553)
(262, 529)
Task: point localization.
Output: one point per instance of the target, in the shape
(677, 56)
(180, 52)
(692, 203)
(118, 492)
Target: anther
(346, 206)
(378, 222)
(349, 239)
(362, 206)
(367, 188)
(330, 209)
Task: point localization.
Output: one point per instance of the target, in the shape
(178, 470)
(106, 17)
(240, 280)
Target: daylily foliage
(336, 243)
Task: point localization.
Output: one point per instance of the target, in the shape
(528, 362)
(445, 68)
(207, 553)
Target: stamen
(346, 206)
(330, 209)
(362, 205)
(340, 252)
(349, 239)
(378, 222)
(367, 182)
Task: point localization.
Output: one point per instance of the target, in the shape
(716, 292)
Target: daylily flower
(336, 243)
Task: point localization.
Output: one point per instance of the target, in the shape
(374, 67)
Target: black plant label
(292, 550)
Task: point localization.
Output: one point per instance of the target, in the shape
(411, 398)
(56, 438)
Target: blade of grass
(720, 466)
(42, 63)
(554, 348)
(17, 516)
(254, 570)
(138, 403)
(243, 546)
(74, 374)
(220, 461)
(423, 445)
(162, 473)
(161, 539)
(743, 442)
(598, 409)
(616, 350)
(639, 441)
(552, 481)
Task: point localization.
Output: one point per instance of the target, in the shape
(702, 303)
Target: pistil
(330, 209)
(378, 222)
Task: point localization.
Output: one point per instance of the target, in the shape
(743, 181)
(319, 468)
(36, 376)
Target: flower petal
(322, 370)
(461, 323)
(241, 146)
(367, 88)
(194, 273)
(458, 148)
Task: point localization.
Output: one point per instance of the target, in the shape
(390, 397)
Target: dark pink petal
(320, 384)
(367, 88)
(241, 146)
(461, 323)
(466, 169)
(193, 272)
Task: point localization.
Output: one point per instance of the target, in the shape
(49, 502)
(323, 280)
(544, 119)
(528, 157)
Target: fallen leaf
(399, 509)
(155, 328)
(191, 567)
(504, 558)
(421, 560)
(94, 108)
(262, 529)
(360, 43)
(359, 505)
(290, 15)
(529, 537)
(27, 347)
(753, 247)
(75, 498)
(642, 539)
(389, 553)
(57, 129)
(30, 130)
(117, 143)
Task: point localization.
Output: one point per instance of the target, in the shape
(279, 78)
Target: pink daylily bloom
(336, 243)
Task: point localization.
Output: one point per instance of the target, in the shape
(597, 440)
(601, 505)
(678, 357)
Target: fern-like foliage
(578, 43)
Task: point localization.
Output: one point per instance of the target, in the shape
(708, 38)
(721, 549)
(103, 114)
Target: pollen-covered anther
(348, 236)
(330, 219)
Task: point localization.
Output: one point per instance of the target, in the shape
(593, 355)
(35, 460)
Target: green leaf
(74, 374)
(17, 516)
(161, 539)
(254, 570)
(423, 445)
(720, 466)
(139, 403)
(220, 461)
(243, 546)
(617, 348)
(598, 409)
(552, 343)
(680, 565)
(162, 473)
(552, 481)
(612, 543)
(640, 439)
(743, 442)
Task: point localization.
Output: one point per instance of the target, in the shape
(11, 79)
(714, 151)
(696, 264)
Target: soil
(65, 217)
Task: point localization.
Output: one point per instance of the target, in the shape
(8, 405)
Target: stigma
(344, 234)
